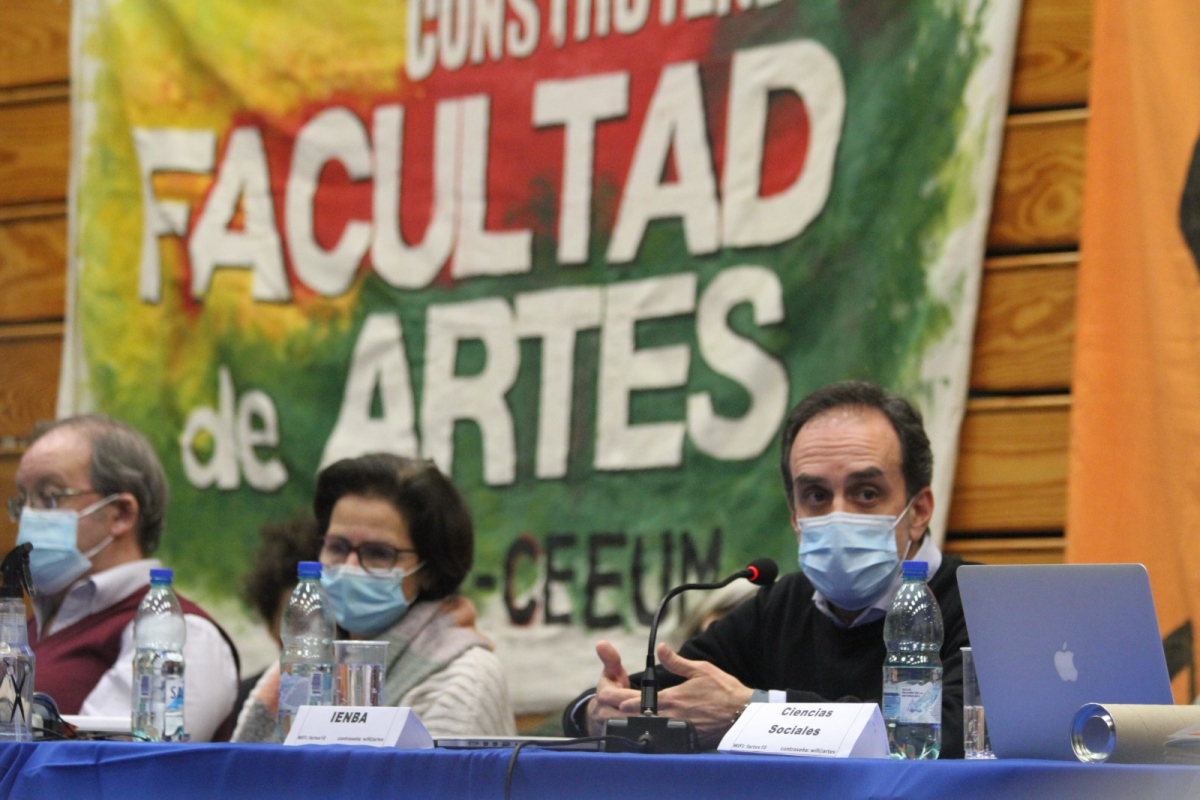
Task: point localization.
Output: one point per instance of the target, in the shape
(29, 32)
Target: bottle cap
(916, 569)
(308, 569)
(161, 575)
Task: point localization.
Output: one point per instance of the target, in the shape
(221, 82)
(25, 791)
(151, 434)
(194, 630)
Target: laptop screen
(1049, 638)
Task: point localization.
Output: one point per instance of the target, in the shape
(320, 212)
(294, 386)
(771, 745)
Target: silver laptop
(1047, 639)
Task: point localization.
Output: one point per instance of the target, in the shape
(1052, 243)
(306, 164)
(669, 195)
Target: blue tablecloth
(85, 770)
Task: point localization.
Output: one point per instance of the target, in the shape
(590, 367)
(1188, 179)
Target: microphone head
(763, 571)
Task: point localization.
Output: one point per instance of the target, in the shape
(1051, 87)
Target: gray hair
(123, 462)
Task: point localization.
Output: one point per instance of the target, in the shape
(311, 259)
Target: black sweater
(780, 640)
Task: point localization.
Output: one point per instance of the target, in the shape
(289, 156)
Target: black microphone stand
(664, 734)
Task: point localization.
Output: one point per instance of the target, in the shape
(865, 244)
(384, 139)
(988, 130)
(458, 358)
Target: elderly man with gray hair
(91, 499)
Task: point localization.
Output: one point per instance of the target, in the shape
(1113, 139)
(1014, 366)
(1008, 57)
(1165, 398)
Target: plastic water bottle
(912, 672)
(158, 633)
(16, 657)
(307, 630)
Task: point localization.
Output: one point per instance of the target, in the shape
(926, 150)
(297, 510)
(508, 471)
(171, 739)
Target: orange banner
(1134, 488)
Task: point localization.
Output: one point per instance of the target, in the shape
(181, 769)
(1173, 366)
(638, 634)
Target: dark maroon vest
(70, 662)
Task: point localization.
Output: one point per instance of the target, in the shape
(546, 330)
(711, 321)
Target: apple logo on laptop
(1064, 663)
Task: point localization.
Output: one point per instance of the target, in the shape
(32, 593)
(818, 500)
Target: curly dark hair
(282, 545)
(436, 514)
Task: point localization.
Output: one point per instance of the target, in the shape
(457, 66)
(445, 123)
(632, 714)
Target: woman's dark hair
(436, 514)
(282, 545)
(916, 457)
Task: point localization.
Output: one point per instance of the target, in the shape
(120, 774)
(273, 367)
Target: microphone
(660, 734)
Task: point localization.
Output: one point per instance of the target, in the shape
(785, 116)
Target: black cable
(512, 761)
(48, 735)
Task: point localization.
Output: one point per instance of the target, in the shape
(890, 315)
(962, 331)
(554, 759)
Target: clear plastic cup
(359, 672)
(975, 736)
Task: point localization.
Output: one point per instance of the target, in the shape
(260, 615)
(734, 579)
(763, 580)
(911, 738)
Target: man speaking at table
(91, 499)
(856, 467)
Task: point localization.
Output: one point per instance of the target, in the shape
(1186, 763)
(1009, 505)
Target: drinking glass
(975, 736)
(359, 672)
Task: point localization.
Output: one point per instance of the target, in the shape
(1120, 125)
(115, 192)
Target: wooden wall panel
(34, 151)
(1039, 188)
(8, 472)
(1041, 550)
(34, 41)
(1054, 55)
(1012, 466)
(1025, 331)
(33, 269)
(30, 355)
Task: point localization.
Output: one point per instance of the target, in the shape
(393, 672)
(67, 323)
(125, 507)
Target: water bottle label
(919, 702)
(891, 705)
(317, 690)
(11, 707)
(144, 688)
(294, 690)
(175, 697)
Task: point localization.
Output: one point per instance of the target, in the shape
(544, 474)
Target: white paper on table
(821, 730)
(368, 726)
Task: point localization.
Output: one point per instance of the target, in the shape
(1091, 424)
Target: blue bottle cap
(915, 569)
(308, 569)
(161, 575)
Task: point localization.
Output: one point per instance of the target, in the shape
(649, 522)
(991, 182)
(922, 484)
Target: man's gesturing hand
(612, 691)
(709, 698)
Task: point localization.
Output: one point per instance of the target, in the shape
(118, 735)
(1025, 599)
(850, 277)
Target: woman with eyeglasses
(396, 543)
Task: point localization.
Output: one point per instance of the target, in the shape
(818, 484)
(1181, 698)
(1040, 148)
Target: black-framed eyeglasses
(45, 498)
(373, 556)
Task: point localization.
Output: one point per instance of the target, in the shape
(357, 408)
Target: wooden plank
(51, 208)
(34, 152)
(34, 41)
(1012, 466)
(8, 473)
(1054, 55)
(31, 370)
(33, 269)
(35, 94)
(1040, 550)
(1025, 331)
(1039, 187)
(36, 330)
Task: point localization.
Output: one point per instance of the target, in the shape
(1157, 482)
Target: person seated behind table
(396, 539)
(269, 583)
(92, 499)
(856, 466)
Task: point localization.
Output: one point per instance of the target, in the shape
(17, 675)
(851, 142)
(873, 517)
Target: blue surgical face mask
(850, 559)
(55, 561)
(363, 602)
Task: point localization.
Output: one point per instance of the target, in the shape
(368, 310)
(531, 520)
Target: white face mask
(55, 561)
(850, 559)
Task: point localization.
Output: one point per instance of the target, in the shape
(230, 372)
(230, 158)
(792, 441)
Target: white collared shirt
(927, 552)
(210, 672)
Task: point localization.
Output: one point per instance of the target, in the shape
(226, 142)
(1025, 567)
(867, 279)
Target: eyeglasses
(373, 556)
(46, 498)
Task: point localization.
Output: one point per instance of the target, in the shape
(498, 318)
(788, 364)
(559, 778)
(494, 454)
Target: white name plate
(823, 730)
(359, 725)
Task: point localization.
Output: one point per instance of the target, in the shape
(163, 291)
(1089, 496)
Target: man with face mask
(856, 467)
(91, 499)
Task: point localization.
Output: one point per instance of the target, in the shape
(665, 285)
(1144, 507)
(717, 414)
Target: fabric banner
(1134, 489)
(584, 255)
